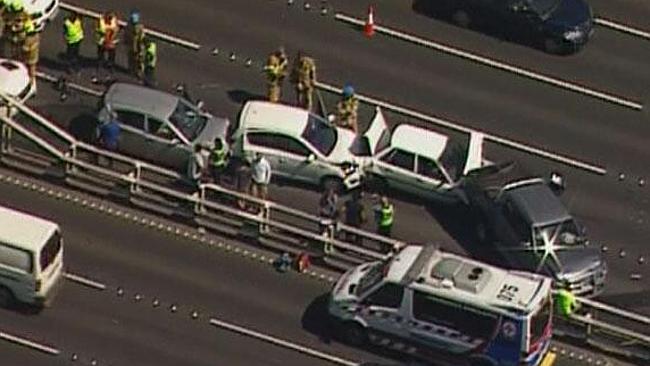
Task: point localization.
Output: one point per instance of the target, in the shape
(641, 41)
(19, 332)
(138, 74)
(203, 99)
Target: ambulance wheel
(354, 334)
(6, 297)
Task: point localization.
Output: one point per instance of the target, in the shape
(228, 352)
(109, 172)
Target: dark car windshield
(543, 8)
(565, 233)
(188, 120)
(320, 134)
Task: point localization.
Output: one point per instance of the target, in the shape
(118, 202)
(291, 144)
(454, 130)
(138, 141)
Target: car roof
(23, 230)
(139, 98)
(273, 117)
(537, 203)
(447, 275)
(419, 141)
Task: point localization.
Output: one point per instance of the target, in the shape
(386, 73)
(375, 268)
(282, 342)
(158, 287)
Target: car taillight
(37, 285)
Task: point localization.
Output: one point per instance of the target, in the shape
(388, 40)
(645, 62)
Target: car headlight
(349, 168)
(572, 35)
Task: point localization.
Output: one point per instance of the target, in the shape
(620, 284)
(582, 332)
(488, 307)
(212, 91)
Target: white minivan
(31, 259)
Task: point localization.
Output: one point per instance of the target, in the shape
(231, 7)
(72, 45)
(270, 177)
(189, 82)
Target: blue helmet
(348, 90)
(134, 17)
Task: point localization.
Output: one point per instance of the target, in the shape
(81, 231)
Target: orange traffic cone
(369, 27)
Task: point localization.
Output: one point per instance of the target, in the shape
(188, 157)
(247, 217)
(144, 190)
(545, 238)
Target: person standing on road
(260, 176)
(134, 41)
(15, 24)
(106, 37)
(304, 76)
(218, 160)
(108, 135)
(328, 207)
(347, 109)
(272, 70)
(565, 301)
(196, 165)
(150, 60)
(355, 215)
(384, 215)
(73, 33)
(31, 47)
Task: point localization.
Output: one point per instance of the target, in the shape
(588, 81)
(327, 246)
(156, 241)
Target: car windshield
(188, 120)
(563, 233)
(543, 8)
(374, 275)
(320, 134)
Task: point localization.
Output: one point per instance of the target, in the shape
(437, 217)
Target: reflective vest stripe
(218, 157)
(74, 31)
(386, 218)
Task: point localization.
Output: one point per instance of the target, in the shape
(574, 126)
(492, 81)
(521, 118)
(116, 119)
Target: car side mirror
(311, 158)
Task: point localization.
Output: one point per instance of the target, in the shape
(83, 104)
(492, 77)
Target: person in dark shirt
(355, 215)
(109, 136)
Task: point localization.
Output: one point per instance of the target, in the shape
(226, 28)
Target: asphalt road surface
(125, 328)
(615, 212)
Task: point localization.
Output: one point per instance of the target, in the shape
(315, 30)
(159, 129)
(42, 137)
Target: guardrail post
(135, 174)
(265, 214)
(6, 137)
(198, 207)
(328, 230)
(72, 153)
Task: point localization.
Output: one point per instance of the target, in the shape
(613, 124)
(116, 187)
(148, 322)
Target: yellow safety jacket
(151, 56)
(73, 31)
(386, 215)
(106, 32)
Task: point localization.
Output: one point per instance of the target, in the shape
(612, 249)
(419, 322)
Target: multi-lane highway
(502, 103)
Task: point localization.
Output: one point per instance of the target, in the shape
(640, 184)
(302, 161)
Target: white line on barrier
(497, 139)
(622, 28)
(282, 343)
(30, 344)
(152, 32)
(85, 281)
(81, 88)
(497, 64)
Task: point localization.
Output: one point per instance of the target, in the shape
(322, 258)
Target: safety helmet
(348, 90)
(134, 17)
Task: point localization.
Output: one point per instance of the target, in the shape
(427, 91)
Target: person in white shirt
(260, 176)
(196, 165)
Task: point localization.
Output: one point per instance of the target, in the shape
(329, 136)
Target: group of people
(303, 77)
(141, 51)
(353, 213)
(19, 35)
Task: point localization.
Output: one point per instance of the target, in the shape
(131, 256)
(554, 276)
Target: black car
(557, 26)
(526, 225)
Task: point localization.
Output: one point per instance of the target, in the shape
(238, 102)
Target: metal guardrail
(215, 207)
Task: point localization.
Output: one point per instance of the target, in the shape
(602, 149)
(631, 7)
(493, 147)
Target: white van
(439, 305)
(31, 258)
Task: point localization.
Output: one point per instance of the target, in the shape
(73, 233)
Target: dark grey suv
(532, 230)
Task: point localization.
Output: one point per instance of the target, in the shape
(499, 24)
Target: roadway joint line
(160, 35)
(622, 28)
(85, 281)
(29, 344)
(496, 64)
(451, 125)
(280, 342)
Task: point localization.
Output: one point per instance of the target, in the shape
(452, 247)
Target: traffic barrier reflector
(369, 27)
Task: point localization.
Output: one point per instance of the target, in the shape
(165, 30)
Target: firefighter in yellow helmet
(275, 70)
(15, 29)
(134, 37)
(31, 46)
(304, 77)
(347, 109)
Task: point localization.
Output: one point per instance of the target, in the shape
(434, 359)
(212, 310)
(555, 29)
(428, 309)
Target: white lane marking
(497, 139)
(152, 32)
(30, 344)
(85, 281)
(81, 88)
(499, 65)
(282, 343)
(622, 28)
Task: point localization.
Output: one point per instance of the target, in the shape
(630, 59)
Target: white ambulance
(436, 305)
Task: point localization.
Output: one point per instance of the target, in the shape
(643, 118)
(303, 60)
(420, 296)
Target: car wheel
(551, 45)
(354, 334)
(334, 183)
(6, 297)
(461, 18)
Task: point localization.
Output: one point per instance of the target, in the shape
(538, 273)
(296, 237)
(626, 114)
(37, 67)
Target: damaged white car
(417, 161)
